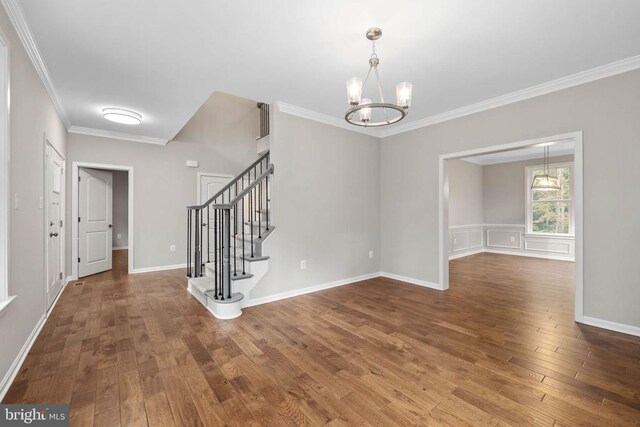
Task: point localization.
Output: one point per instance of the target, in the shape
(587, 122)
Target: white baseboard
(158, 268)
(310, 289)
(530, 254)
(612, 326)
(24, 351)
(411, 280)
(464, 254)
(120, 248)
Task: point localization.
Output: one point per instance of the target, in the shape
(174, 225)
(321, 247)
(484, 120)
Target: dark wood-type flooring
(500, 347)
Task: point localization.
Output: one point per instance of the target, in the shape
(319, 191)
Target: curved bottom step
(225, 309)
(202, 289)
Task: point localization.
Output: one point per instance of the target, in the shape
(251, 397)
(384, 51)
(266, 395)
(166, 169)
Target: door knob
(53, 234)
(110, 225)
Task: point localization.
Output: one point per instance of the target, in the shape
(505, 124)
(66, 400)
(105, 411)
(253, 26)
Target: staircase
(225, 237)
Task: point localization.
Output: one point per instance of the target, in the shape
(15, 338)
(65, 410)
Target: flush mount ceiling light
(385, 113)
(120, 115)
(545, 182)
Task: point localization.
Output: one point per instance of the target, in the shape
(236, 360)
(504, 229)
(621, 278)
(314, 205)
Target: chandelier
(546, 182)
(363, 109)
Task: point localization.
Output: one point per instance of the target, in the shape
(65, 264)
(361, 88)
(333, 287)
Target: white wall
(326, 205)
(465, 193)
(120, 208)
(605, 110)
(31, 116)
(221, 136)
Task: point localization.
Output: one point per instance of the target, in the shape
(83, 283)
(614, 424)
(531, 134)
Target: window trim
(5, 299)
(529, 200)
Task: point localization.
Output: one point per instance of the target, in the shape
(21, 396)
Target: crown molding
(323, 118)
(24, 33)
(601, 72)
(118, 135)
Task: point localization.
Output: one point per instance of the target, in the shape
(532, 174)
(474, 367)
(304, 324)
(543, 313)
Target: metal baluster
(267, 199)
(235, 240)
(260, 206)
(251, 218)
(196, 259)
(188, 242)
(221, 271)
(243, 252)
(208, 234)
(215, 253)
(227, 264)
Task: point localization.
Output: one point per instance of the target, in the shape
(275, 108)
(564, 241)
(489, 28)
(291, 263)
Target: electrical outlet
(303, 264)
(119, 236)
(172, 248)
(41, 202)
(513, 239)
(370, 254)
(16, 201)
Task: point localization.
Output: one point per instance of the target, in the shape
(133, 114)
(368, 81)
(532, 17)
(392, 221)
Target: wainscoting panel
(465, 240)
(459, 241)
(475, 239)
(555, 246)
(508, 239)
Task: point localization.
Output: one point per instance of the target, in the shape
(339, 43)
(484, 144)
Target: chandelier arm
(364, 82)
(375, 70)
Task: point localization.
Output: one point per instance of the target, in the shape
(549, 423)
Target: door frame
(443, 188)
(45, 220)
(74, 210)
(199, 184)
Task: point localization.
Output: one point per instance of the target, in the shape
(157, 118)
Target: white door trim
(74, 211)
(199, 183)
(576, 137)
(45, 221)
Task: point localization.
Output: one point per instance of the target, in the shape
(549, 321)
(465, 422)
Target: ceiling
(536, 152)
(164, 58)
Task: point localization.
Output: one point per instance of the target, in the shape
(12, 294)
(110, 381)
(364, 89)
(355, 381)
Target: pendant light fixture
(545, 182)
(362, 109)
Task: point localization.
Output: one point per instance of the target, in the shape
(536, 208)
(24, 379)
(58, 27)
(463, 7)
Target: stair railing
(213, 225)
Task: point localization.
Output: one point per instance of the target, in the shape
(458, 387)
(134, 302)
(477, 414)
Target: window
(551, 212)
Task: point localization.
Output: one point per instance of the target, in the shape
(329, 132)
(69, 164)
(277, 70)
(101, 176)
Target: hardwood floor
(498, 348)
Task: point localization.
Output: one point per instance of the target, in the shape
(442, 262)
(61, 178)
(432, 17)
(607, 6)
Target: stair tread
(202, 284)
(247, 237)
(255, 258)
(241, 276)
(235, 297)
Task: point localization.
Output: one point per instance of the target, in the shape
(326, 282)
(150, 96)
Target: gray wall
(32, 115)
(605, 110)
(465, 193)
(221, 136)
(120, 208)
(326, 205)
(505, 192)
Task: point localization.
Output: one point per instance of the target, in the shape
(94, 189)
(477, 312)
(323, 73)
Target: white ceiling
(164, 58)
(536, 152)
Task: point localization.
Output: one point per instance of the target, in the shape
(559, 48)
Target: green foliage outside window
(551, 208)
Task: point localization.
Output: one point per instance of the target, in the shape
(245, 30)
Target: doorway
(448, 244)
(54, 202)
(102, 217)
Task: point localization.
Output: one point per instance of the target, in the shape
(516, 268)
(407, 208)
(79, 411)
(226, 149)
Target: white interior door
(95, 212)
(54, 173)
(209, 185)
